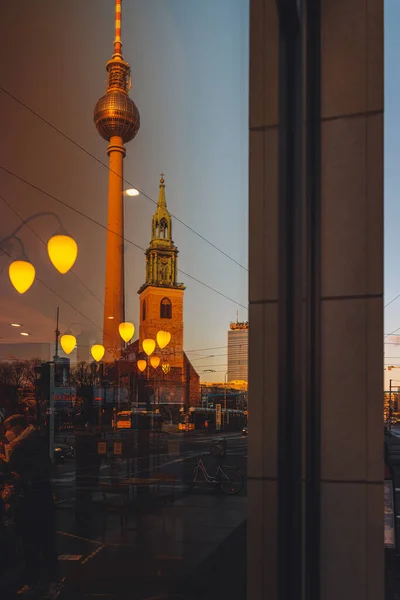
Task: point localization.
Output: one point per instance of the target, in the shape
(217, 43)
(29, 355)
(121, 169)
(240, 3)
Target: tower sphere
(115, 114)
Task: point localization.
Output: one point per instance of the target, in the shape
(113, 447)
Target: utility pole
(225, 415)
(57, 332)
(187, 391)
(389, 368)
(52, 389)
(51, 410)
(390, 405)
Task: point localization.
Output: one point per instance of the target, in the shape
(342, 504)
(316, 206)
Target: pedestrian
(33, 506)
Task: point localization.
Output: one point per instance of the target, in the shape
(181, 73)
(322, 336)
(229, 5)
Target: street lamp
(149, 346)
(97, 351)
(68, 342)
(163, 339)
(22, 274)
(132, 192)
(62, 250)
(155, 361)
(126, 331)
(141, 365)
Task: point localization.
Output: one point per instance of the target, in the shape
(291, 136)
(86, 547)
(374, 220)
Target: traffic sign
(102, 448)
(218, 415)
(117, 448)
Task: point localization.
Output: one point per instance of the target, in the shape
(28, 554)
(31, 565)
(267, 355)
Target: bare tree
(32, 371)
(85, 374)
(5, 373)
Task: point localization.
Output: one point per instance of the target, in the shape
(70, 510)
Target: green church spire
(162, 254)
(161, 224)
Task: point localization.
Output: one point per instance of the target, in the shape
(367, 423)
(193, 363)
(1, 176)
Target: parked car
(62, 451)
(245, 431)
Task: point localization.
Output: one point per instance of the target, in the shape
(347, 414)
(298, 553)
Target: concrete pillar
(351, 553)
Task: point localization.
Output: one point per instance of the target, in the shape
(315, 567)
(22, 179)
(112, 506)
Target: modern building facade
(315, 481)
(238, 346)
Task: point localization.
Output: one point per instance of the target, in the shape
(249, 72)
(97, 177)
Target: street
(176, 458)
(155, 537)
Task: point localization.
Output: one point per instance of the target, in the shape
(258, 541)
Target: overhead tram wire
(44, 243)
(101, 329)
(98, 326)
(82, 214)
(213, 356)
(391, 333)
(209, 366)
(396, 330)
(72, 141)
(95, 324)
(391, 301)
(58, 295)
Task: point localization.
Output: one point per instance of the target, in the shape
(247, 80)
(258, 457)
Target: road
(165, 542)
(176, 458)
(170, 532)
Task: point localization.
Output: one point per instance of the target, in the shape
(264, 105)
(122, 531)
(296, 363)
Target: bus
(139, 420)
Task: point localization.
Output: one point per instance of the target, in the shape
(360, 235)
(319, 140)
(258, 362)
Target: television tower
(117, 120)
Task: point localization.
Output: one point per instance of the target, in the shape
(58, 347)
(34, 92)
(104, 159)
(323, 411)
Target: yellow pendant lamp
(166, 367)
(68, 342)
(155, 361)
(163, 339)
(126, 331)
(22, 274)
(149, 346)
(62, 250)
(141, 365)
(97, 351)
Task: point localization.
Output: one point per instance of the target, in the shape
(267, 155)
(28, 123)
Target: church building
(175, 380)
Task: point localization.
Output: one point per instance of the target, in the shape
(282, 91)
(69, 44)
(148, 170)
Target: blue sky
(392, 174)
(189, 64)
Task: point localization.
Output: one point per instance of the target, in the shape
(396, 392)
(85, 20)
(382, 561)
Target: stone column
(350, 301)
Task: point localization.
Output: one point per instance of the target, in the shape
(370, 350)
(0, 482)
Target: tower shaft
(117, 121)
(114, 299)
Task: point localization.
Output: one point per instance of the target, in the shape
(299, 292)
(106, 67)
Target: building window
(166, 309)
(163, 229)
(144, 310)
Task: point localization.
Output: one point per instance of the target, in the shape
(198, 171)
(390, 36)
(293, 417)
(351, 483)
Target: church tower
(161, 296)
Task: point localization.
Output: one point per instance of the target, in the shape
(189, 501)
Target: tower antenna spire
(118, 17)
(117, 120)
